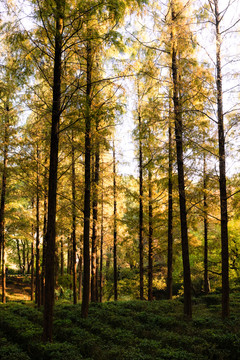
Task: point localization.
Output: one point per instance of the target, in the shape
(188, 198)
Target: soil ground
(17, 288)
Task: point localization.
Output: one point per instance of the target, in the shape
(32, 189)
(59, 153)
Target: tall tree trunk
(52, 189)
(62, 258)
(80, 277)
(181, 180)
(69, 257)
(222, 171)
(32, 258)
(3, 272)
(87, 190)
(170, 212)
(23, 256)
(206, 278)
(32, 268)
(44, 248)
(28, 259)
(74, 251)
(56, 267)
(115, 227)
(19, 255)
(140, 202)
(95, 220)
(150, 238)
(37, 258)
(3, 200)
(101, 251)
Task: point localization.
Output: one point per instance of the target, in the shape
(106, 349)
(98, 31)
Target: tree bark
(80, 277)
(44, 236)
(3, 199)
(32, 270)
(62, 258)
(140, 203)
(150, 238)
(52, 189)
(37, 258)
(28, 260)
(222, 171)
(170, 212)
(24, 256)
(181, 180)
(3, 272)
(87, 190)
(74, 247)
(95, 220)
(101, 250)
(205, 220)
(19, 255)
(115, 227)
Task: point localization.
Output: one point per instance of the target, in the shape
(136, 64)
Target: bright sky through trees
(206, 47)
(204, 33)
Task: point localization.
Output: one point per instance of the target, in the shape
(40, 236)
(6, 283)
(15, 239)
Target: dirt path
(17, 288)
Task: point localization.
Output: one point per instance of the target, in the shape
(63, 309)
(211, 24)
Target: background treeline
(72, 73)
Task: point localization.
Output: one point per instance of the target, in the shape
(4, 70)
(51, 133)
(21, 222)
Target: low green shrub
(58, 351)
(212, 299)
(9, 351)
(12, 352)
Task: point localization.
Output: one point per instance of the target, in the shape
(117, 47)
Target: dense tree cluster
(71, 72)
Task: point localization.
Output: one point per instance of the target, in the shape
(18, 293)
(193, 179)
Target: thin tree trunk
(28, 260)
(69, 256)
(62, 258)
(3, 200)
(37, 258)
(52, 189)
(101, 252)
(222, 171)
(19, 255)
(32, 259)
(206, 278)
(74, 252)
(87, 190)
(80, 278)
(95, 220)
(56, 267)
(181, 180)
(150, 238)
(23, 256)
(140, 203)
(170, 213)
(115, 227)
(3, 272)
(108, 261)
(44, 237)
(32, 270)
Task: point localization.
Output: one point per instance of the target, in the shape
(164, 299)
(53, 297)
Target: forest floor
(17, 288)
(124, 330)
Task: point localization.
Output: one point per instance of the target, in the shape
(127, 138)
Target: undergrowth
(134, 330)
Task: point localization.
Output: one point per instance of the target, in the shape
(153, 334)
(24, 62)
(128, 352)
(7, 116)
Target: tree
(150, 236)
(38, 282)
(3, 197)
(205, 205)
(52, 187)
(222, 164)
(179, 148)
(87, 182)
(74, 251)
(115, 227)
(170, 207)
